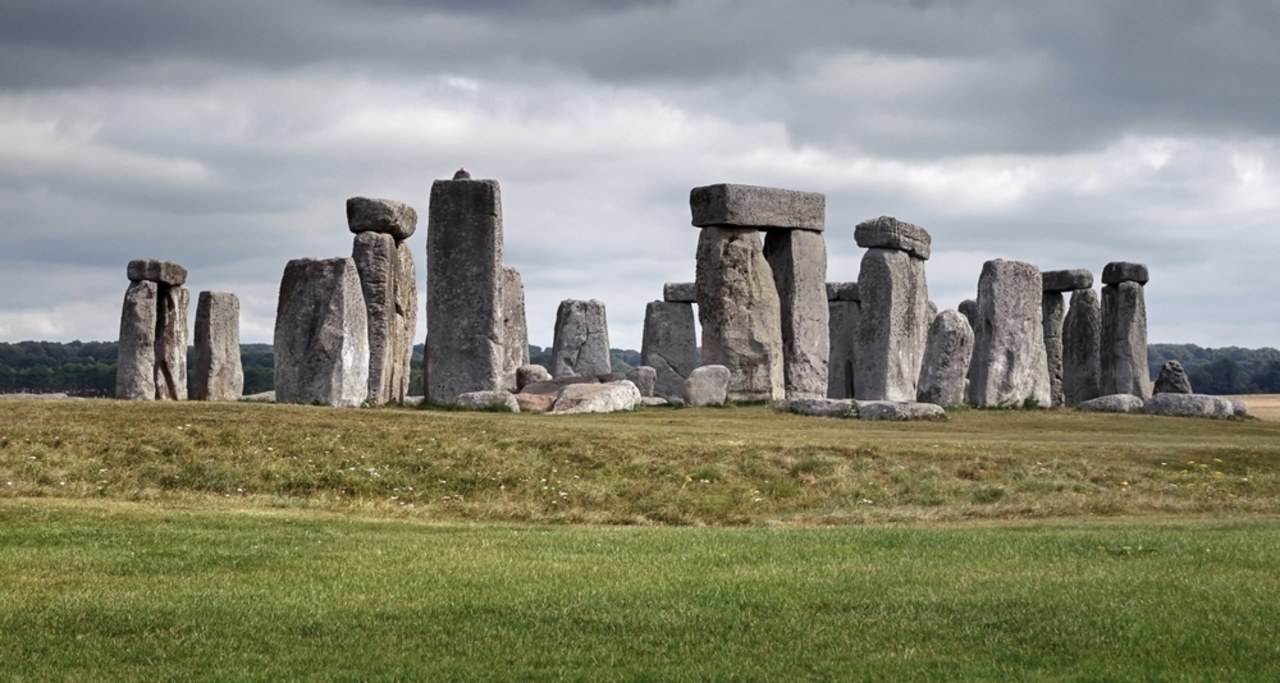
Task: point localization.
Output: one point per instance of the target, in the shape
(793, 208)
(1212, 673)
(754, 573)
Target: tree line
(89, 368)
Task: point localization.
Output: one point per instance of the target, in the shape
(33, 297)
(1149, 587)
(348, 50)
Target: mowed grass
(94, 590)
(725, 467)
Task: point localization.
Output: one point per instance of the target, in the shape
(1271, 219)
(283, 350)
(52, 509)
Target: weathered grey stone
(654, 401)
(707, 385)
(606, 377)
(739, 310)
(464, 289)
(900, 410)
(1053, 308)
(157, 270)
(529, 374)
(397, 219)
(843, 291)
(171, 343)
(843, 320)
(1082, 348)
(680, 293)
(969, 309)
(321, 334)
(887, 232)
(1189, 405)
(607, 397)
(496, 400)
(1011, 369)
(581, 344)
(136, 350)
(751, 206)
(553, 386)
(515, 330)
(1124, 341)
(377, 262)
(1112, 403)
(669, 345)
(1239, 408)
(1172, 380)
(947, 353)
(536, 403)
(798, 259)
(891, 331)
(822, 407)
(406, 327)
(645, 378)
(1066, 280)
(217, 374)
(1119, 271)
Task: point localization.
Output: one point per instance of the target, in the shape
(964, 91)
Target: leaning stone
(1173, 380)
(843, 291)
(798, 259)
(822, 407)
(536, 403)
(751, 206)
(1119, 271)
(321, 334)
(1053, 309)
(528, 374)
(891, 332)
(1081, 348)
(706, 386)
(136, 354)
(171, 343)
(680, 293)
(947, 353)
(218, 374)
(1011, 369)
(397, 219)
(581, 343)
(157, 270)
(609, 397)
(515, 330)
(1066, 280)
(739, 309)
(1189, 405)
(1114, 403)
(1124, 341)
(887, 232)
(843, 321)
(669, 345)
(644, 378)
(900, 410)
(376, 259)
(501, 401)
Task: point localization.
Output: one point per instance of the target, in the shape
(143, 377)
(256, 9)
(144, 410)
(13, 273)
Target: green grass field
(212, 541)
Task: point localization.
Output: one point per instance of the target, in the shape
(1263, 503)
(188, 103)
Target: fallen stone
(261, 397)
(609, 397)
(157, 270)
(751, 206)
(645, 378)
(529, 374)
(321, 334)
(706, 386)
(553, 387)
(536, 403)
(171, 343)
(377, 263)
(1173, 380)
(497, 400)
(900, 410)
(1010, 365)
(1189, 405)
(1082, 348)
(892, 326)
(1113, 403)
(1124, 341)
(515, 329)
(606, 377)
(1053, 309)
(1119, 271)
(887, 232)
(669, 345)
(947, 353)
(798, 259)
(680, 293)
(654, 401)
(397, 219)
(217, 374)
(1066, 280)
(822, 407)
(136, 349)
(843, 291)
(843, 321)
(581, 343)
(1239, 408)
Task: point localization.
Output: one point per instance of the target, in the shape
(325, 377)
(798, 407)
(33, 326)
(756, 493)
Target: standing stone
(321, 334)
(844, 314)
(515, 329)
(644, 378)
(136, 356)
(218, 374)
(798, 259)
(707, 385)
(1009, 339)
(376, 260)
(669, 345)
(1124, 331)
(406, 327)
(890, 331)
(947, 353)
(464, 350)
(1053, 310)
(1081, 348)
(1173, 380)
(739, 310)
(171, 343)
(581, 343)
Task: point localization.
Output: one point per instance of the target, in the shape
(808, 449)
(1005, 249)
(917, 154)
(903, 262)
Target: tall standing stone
(1009, 351)
(171, 343)
(321, 334)
(669, 345)
(217, 374)
(1081, 348)
(894, 308)
(377, 262)
(406, 327)
(515, 329)
(798, 259)
(581, 343)
(1053, 311)
(136, 356)
(164, 307)
(947, 353)
(1124, 331)
(464, 347)
(844, 314)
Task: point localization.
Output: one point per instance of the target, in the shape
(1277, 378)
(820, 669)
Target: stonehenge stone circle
(1124, 331)
(669, 345)
(707, 385)
(947, 353)
(157, 298)
(136, 359)
(798, 259)
(581, 344)
(844, 313)
(217, 373)
(1082, 348)
(397, 219)
(515, 328)
(750, 206)
(680, 293)
(321, 334)
(894, 309)
(1010, 370)
(1172, 380)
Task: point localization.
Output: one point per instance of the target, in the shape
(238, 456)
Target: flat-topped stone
(388, 216)
(1112, 403)
(820, 407)
(1189, 405)
(1066, 280)
(494, 400)
(887, 232)
(707, 385)
(157, 270)
(750, 206)
(843, 291)
(900, 410)
(680, 293)
(1119, 271)
(607, 397)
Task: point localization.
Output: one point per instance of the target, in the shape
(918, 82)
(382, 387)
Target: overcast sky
(227, 136)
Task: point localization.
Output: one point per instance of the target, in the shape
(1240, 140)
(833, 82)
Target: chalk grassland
(730, 466)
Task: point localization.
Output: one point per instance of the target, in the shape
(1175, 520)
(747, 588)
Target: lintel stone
(1119, 271)
(679, 293)
(365, 214)
(750, 206)
(887, 232)
(157, 270)
(1066, 280)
